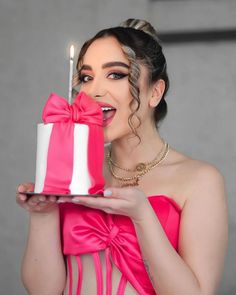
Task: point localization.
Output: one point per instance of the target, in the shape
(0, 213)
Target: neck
(127, 152)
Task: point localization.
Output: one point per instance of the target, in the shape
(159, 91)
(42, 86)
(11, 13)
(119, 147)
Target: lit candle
(72, 52)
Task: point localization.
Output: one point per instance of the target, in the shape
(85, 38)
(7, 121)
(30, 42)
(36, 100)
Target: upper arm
(203, 228)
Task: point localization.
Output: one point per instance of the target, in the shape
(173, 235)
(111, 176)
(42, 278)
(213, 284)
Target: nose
(97, 89)
(97, 93)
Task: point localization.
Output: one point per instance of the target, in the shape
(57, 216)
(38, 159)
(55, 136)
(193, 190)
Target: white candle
(72, 52)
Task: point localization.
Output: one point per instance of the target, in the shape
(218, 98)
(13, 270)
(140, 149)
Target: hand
(37, 203)
(131, 202)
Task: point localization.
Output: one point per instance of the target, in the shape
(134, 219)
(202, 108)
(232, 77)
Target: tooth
(107, 109)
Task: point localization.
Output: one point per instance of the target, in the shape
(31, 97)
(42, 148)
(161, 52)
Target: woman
(181, 251)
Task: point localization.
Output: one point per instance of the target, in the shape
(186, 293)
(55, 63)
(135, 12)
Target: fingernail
(60, 201)
(23, 198)
(74, 200)
(107, 193)
(21, 189)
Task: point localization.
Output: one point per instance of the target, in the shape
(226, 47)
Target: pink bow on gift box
(60, 154)
(83, 110)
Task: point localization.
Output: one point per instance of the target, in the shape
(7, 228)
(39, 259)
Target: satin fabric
(64, 116)
(87, 230)
(83, 110)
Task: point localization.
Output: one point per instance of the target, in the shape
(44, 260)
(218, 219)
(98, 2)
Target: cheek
(116, 131)
(122, 124)
(84, 88)
(120, 90)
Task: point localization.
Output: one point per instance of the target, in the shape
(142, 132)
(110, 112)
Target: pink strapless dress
(87, 230)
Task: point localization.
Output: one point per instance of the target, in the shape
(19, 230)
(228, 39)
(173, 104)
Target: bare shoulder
(202, 173)
(203, 231)
(201, 180)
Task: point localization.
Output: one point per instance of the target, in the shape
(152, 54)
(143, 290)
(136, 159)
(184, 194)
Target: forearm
(167, 270)
(43, 269)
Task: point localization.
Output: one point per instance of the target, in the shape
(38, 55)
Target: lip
(108, 120)
(103, 104)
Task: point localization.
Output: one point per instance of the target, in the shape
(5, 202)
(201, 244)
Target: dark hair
(139, 43)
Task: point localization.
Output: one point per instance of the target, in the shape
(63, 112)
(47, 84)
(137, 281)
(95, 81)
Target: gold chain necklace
(142, 168)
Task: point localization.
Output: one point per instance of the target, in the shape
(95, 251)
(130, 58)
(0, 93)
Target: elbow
(207, 290)
(35, 286)
(48, 290)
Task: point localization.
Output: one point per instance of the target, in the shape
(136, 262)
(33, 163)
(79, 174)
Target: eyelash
(120, 76)
(81, 78)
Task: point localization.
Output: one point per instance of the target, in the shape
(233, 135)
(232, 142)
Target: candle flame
(72, 51)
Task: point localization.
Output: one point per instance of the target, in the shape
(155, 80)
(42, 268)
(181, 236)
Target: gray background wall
(34, 36)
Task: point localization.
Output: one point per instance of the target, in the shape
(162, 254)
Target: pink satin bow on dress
(87, 230)
(90, 231)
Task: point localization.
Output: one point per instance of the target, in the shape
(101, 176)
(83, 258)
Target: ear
(158, 89)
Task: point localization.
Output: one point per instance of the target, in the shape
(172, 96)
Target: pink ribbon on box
(84, 110)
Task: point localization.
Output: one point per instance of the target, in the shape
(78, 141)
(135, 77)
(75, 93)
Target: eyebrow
(107, 65)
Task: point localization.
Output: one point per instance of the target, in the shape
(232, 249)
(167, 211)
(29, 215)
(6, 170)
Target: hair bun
(142, 25)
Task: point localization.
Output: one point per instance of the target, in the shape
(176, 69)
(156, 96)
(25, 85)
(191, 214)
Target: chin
(112, 134)
(108, 136)
(106, 141)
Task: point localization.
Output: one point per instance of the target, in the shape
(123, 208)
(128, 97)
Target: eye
(117, 76)
(84, 78)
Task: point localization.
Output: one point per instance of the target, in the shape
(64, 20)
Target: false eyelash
(121, 75)
(81, 78)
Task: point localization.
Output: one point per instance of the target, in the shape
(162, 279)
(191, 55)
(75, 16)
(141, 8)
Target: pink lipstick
(108, 113)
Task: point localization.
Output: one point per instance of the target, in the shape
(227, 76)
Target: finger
(107, 192)
(37, 208)
(21, 197)
(33, 200)
(52, 199)
(42, 204)
(42, 198)
(25, 187)
(99, 203)
(88, 201)
(115, 192)
(21, 188)
(21, 200)
(64, 200)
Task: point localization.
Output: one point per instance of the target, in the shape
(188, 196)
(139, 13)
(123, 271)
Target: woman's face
(104, 77)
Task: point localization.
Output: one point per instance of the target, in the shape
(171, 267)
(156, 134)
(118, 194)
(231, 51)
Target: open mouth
(108, 114)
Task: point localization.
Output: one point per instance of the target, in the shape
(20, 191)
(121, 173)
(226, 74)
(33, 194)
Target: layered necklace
(140, 169)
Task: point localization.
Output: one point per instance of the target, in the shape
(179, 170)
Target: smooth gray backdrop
(34, 38)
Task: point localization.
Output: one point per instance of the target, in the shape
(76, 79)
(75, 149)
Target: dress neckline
(169, 199)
